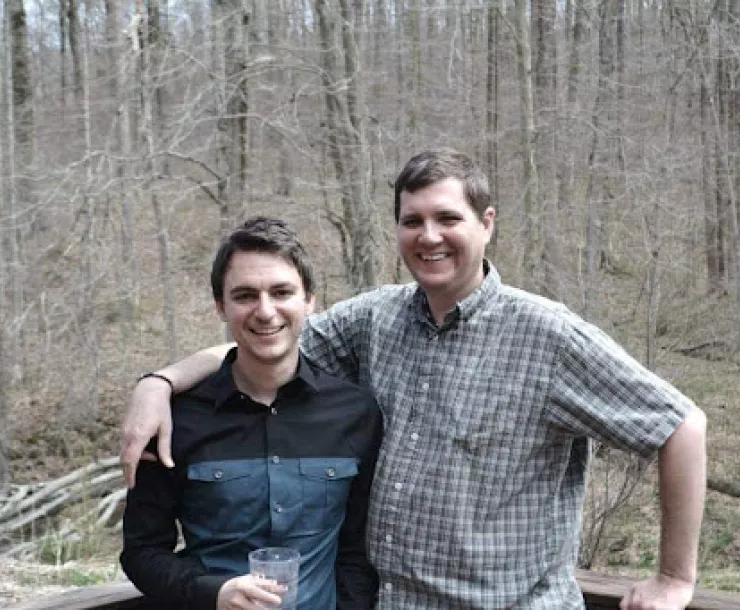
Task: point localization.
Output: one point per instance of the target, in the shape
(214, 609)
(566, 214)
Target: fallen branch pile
(27, 512)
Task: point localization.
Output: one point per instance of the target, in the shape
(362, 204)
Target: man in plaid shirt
(490, 395)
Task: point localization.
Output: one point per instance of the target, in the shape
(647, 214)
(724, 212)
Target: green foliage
(721, 540)
(647, 559)
(71, 577)
(56, 549)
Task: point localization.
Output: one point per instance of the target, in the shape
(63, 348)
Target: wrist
(158, 379)
(682, 576)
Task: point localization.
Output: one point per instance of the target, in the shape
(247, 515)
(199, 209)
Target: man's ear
(488, 219)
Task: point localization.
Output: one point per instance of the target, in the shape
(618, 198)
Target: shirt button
(278, 508)
(218, 475)
(389, 538)
(273, 410)
(398, 486)
(388, 586)
(331, 473)
(425, 386)
(275, 459)
(414, 436)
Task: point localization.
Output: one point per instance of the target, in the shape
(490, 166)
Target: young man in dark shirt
(270, 451)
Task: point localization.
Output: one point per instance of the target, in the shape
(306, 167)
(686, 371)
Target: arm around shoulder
(149, 415)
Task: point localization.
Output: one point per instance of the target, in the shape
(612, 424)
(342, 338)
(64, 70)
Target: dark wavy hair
(262, 234)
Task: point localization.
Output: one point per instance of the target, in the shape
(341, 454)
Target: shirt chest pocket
(325, 485)
(225, 497)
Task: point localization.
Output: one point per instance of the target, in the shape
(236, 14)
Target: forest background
(134, 133)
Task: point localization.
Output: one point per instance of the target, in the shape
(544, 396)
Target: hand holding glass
(281, 565)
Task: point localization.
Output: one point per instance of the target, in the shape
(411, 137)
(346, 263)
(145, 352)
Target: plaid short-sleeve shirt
(478, 488)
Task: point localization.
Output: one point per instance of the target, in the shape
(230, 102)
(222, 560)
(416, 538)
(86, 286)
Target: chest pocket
(325, 485)
(224, 497)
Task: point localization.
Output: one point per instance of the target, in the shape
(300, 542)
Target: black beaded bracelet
(157, 376)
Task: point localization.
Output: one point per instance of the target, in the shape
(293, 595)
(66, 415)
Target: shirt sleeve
(333, 340)
(602, 392)
(149, 538)
(357, 580)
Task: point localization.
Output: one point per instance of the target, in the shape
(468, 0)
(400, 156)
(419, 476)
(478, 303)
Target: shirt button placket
(276, 477)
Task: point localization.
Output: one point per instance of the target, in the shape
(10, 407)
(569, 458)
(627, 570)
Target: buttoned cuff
(206, 588)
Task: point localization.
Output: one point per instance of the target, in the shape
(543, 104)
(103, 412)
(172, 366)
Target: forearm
(682, 471)
(191, 370)
(357, 580)
(177, 582)
(150, 535)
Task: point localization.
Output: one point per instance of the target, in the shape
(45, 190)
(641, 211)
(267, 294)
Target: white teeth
(267, 331)
(433, 257)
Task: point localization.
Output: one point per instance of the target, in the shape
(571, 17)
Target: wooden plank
(603, 589)
(601, 592)
(111, 596)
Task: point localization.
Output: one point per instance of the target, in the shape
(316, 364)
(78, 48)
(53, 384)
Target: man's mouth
(431, 258)
(267, 332)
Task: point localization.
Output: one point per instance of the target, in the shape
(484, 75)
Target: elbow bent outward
(682, 468)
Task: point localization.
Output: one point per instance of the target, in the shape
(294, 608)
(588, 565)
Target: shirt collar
(463, 309)
(221, 385)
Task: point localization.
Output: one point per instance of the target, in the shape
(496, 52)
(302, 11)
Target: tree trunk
(527, 143)
(713, 245)
(63, 56)
(21, 155)
(492, 114)
(126, 272)
(236, 51)
(73, 28)
(567, 135)
(546, 113)
(224, 159)
(601, 190)
(149, 101)
(347, 143)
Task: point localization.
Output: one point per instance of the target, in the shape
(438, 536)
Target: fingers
(148, 415)
(164, 443)
(148, 457)
(270, 589)
(249, 593)
(131, 449)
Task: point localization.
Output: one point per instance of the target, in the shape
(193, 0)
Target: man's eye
(410, 222)
(449, 220)
(243, 297)
(283, 294)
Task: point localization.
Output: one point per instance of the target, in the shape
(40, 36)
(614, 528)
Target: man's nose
(430, 233)
(265, 306)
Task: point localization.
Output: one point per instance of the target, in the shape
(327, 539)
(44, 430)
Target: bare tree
(492, 111)
(73, 30)
(149, 73)
(546, 105)
(603, 179)
(19, 207)
(346, 142)
(530, 176)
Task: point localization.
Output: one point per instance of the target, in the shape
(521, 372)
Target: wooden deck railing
(601, 592)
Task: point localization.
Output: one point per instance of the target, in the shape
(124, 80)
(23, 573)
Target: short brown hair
(435, 165)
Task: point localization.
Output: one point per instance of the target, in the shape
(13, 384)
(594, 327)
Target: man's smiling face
(442, 241)
(264, 306)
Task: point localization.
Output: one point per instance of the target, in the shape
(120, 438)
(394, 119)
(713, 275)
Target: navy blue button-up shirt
(296, 473)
